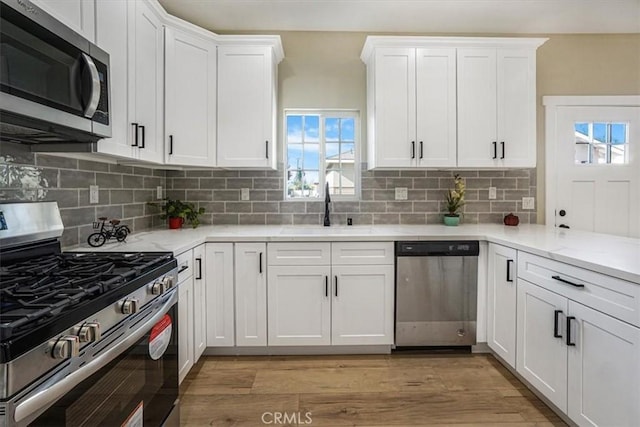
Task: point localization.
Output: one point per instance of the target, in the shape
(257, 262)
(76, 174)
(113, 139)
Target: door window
(601, 143)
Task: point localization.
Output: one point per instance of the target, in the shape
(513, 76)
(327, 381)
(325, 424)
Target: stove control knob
(129, 306)
(65, 347)
(167, 281)
(157, 288)
(89, 332)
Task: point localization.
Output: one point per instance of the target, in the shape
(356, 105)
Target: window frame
(323, 114)
(608, 144)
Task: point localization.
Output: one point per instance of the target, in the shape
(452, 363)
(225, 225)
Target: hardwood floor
(385, 390)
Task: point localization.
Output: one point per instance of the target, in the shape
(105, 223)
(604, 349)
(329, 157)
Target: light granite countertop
(607, 254)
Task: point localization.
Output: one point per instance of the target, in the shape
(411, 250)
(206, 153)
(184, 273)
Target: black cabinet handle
(421, 150)
(495, 149)
(556, 324)
(266, 150)
(199, 268)
(326, 286)
(569, 342)
(142, 142)
(336, 285)
(135, 138)
(260, 263)
(413, 149)
(183, 268)
(509, 278)
(170, 144)
(560, 279)
(502, 144)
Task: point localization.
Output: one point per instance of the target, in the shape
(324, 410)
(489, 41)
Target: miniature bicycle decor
(107, 231)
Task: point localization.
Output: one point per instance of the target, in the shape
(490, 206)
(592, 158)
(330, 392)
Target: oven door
(137, 387)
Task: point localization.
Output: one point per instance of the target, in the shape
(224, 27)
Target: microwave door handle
(93, 87)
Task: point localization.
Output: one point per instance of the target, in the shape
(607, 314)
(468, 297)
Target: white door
(395, 107)
(185, 328)
(199, 303)
(245, 106)
(219, 294)
(79, 15)
(190, 91)
(251, 294)
(477, 114)
(436, 107)
(604, 370)
(110, 15)
(299, 305)
(593, 164)
(541, 355)
(501, 302)
(146, 85)
(362, 306)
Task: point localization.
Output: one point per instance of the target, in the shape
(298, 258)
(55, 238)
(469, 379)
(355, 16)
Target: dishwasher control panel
(438, 248)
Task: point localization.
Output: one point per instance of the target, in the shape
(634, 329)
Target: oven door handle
(34, 405)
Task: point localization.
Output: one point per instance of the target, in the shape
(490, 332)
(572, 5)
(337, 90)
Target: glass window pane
(347, 129)
(582, 128)
(618, 154)
(294, 128)
(311, 159)
(332, 152)
(311, 185)
(342, 181)
(332, 129)
(294, 156)
(347, 152)
(599, 154)
(600, 132)
(582, 153)
(618, 133)
(311, 128)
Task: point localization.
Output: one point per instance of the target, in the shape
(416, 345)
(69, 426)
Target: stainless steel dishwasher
(436, 293)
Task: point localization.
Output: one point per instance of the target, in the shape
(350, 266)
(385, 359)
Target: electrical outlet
(244, 194)
(528, 203)
(401, 193)
(159, 192)
(94, 194)
(493, 193)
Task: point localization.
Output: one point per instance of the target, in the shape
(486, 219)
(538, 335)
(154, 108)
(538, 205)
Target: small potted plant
(179, 212)
(455, 201)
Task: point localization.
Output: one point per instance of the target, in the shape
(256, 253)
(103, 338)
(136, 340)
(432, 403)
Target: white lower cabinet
(185, 328)
(322, 294)
(199, 303)
(251, 294)
(219, 299)
(501, 302)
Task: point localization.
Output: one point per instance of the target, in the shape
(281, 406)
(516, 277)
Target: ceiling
(421, 16)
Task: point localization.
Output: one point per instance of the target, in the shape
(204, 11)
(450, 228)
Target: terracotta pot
(511, 219)
(175, 222)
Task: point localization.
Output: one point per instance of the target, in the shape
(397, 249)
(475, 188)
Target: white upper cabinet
(79, 15)
(496, 107)
(450, 101)
(190, 99)
(247, 87)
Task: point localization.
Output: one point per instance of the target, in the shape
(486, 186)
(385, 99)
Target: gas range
(62, 312)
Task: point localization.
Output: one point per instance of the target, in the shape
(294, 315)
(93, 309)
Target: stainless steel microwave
(54, 84)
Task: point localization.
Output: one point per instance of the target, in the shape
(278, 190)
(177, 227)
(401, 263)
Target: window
(601, 143)
(321, 148)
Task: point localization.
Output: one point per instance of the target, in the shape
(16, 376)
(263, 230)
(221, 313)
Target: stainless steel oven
(54, 84)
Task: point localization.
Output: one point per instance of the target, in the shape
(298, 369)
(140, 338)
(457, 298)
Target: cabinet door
(541, 357)
(436, 107)
(477, 141)
(251, 294)
(246, 95)
(185, 328)
(190, 90)
(299, 305)
(219, 294)
(79, 15)
(516, 103)
(110, 15)
(395, 108)
(501, 302)
(199, 303)
(362, 306)
(604, 369)
(146, 85)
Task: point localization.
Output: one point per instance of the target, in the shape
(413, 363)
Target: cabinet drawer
(185, 259)
(610, 295)
(360, 253)
(299, 253)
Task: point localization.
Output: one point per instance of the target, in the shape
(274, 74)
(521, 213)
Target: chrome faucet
(327, 200)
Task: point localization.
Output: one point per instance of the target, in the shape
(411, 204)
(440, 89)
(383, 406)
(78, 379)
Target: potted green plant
(179, 212)
(455, 200)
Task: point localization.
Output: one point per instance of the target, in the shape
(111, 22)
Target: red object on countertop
(175, 222)
(511, 219)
